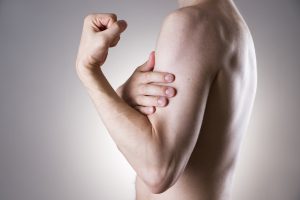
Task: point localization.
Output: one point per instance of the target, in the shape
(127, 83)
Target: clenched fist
(100, 32)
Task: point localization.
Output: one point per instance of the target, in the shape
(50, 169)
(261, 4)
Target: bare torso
(209, 172)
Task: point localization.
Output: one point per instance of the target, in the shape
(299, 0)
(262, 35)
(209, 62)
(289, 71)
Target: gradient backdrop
(52, 143)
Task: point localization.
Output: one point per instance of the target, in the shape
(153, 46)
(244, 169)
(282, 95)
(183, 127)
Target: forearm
(131, 131)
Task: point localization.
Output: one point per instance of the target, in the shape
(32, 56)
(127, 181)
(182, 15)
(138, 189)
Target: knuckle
(142, 89)
(153, 90)
(139, 100)
(147, 101)
(147, 76)
(152, 101)
(139, 89)
(161, 76)
(155, 76)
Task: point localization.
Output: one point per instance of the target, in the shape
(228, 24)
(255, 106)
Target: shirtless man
(188, 149)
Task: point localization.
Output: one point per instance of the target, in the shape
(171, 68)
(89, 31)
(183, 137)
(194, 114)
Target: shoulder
(180, 16)
(185, 18)
(193, 25)
(192, 32)
(187, 45)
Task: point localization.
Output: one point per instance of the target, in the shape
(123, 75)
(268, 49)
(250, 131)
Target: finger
(149, 65)
(156, 77)
(156, 90)
(145, 110)
(114, 30)
(112, 18)
(151, 101)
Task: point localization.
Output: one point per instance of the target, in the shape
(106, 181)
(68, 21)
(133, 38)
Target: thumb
(149, 65)
(115, 30)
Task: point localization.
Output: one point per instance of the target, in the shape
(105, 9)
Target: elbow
(159, 181)
(162, 173)
(158, 189)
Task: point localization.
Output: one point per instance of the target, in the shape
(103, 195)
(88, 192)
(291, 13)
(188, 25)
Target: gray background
(52, 143)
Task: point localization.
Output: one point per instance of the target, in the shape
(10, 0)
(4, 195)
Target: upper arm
(188, 51)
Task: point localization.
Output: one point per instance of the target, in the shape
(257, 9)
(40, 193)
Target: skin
(142, 90)
(188, 149)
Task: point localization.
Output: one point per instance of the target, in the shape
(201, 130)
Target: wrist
(90, 77)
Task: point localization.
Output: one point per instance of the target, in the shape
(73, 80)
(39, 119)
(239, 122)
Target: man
(188, 149)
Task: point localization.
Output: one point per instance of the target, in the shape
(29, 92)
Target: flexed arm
(131, 131)
(158, 146)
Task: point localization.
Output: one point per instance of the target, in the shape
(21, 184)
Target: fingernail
(170, 92)
(161, 101)
(169, 77)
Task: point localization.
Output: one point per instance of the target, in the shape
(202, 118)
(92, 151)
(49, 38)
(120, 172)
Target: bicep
(178, 125)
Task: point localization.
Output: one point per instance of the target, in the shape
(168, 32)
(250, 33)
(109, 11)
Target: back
(208, 174)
